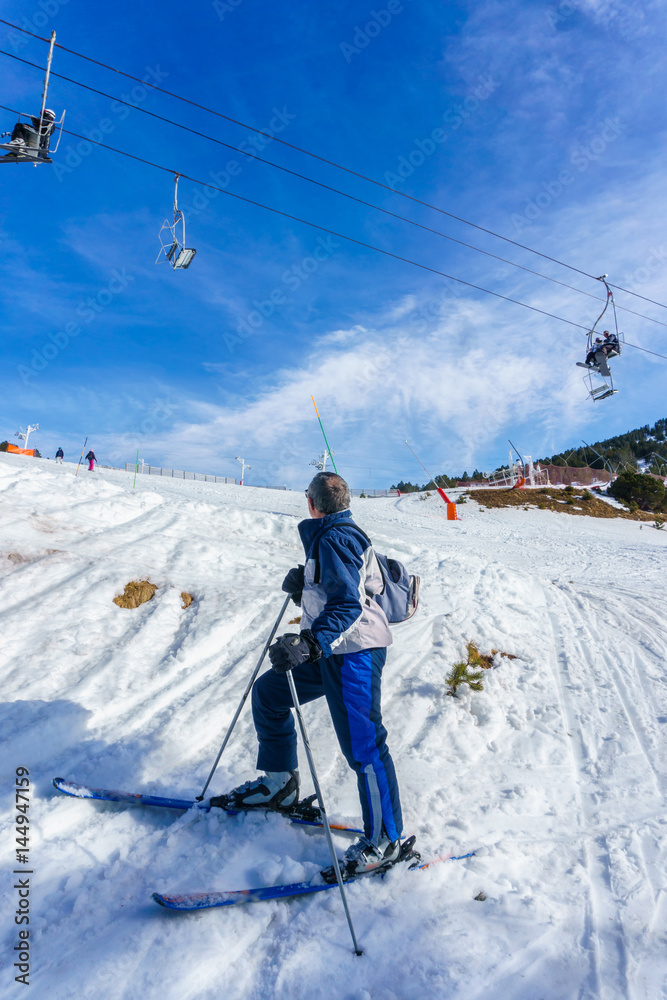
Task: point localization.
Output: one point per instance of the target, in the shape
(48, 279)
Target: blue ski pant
(351, 684)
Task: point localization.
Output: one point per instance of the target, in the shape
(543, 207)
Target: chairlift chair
(172, 238)
(599, 381)
(35, 147)
(34, 132)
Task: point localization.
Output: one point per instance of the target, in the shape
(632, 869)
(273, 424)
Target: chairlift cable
(332, 232)
(323, 159)
(324, 229)
(329, 187)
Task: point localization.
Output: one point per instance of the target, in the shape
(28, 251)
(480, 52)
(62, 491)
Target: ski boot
(365, 858)
(273, 790)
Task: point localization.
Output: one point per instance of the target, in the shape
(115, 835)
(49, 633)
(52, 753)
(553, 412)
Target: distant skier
(339, 654)
(90, 458)
(60, 454)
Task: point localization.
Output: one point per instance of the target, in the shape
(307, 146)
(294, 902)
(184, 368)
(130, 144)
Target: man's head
(327, 493)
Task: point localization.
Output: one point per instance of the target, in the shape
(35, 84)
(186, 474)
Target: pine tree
(459, 674)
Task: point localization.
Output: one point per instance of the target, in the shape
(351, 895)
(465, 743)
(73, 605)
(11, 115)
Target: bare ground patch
(136, 592)
(565, 501)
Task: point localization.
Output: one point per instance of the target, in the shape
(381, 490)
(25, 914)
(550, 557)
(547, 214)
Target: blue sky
(542, 122)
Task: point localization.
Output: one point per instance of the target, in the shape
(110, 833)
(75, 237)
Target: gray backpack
(400, 594)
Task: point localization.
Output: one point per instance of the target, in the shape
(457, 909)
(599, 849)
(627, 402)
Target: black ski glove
(293, 584)
(292, 650)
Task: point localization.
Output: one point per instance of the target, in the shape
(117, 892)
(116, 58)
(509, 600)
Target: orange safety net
(20, 451)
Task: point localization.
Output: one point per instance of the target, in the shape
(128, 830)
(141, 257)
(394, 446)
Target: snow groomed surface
(556, 769)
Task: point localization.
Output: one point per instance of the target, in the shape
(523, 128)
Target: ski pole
(325, 818)
(81, 459)
(245, 695)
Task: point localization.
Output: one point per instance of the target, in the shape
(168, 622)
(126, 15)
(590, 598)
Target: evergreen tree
(640, 489)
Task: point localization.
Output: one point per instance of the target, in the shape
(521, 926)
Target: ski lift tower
(320, 462)
(23, 435)
(243, 468)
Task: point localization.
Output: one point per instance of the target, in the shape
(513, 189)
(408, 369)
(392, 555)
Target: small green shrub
(644, 491)
(460, 674)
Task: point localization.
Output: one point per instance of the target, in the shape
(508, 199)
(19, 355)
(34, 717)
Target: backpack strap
(314, 550)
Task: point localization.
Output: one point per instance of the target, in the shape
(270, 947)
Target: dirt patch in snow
(577, 501)
(136, 592)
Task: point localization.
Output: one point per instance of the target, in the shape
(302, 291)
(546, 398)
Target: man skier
(339, 654)
(60, 454)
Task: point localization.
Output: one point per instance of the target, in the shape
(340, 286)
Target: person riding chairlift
(599, 345)
(610, 344)
(37, 135)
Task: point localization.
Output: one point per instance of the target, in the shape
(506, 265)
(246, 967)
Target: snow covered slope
(555, 772)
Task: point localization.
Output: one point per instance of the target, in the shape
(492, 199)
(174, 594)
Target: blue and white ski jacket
(338, 609)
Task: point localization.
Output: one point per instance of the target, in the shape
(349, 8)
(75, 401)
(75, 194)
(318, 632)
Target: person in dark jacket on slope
(339, 655)
(90, 458)
(60, 454)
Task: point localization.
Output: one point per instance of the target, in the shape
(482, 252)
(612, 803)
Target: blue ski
(188, 901)
(305, 814)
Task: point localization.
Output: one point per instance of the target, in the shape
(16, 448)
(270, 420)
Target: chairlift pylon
(599, 381)
(172, 242)
(31, 137)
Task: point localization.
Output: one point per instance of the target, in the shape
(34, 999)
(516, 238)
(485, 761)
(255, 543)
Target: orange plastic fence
(20, 451)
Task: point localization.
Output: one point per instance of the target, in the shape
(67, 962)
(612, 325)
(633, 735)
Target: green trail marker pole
(324, 435)
(136, 469)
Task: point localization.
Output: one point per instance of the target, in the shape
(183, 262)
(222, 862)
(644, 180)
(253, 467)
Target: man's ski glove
(293, 584)
(292, 650)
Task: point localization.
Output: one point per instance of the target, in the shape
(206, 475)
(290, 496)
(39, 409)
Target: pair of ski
(304, 813)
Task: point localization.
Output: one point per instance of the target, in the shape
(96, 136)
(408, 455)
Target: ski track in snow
(555, 772)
